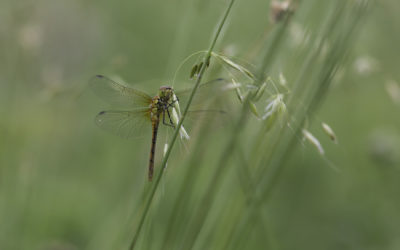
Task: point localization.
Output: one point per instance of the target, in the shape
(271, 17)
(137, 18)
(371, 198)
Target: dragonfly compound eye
(165, 88)
(165, 91)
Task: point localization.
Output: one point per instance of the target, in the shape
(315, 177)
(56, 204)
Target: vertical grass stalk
(176, 132)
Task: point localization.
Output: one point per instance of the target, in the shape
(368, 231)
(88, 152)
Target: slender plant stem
(285, 141)
(223, 162)
(175, 135)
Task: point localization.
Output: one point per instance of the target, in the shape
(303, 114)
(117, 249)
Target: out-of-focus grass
(66, 184)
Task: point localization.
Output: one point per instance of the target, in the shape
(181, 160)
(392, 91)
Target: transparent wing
(214, 117)
(126, 124)
(206, 91)
(118, 94)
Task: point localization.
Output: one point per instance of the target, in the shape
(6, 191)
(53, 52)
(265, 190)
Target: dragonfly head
(165, 92)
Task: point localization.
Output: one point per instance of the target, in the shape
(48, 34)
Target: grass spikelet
(237, 90)
(393, 90)
(194, 71)
(278, 10)
(234, 65)
(282, 80)
(260, 92)
(313, 140)
(329, 131)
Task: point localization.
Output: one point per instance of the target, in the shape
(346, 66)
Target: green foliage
(247, 178)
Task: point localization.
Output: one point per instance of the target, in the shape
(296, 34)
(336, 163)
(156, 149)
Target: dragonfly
(139, 110)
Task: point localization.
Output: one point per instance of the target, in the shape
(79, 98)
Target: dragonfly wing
(126, 124)
(118, 94)
(214, 117)
(206, 91)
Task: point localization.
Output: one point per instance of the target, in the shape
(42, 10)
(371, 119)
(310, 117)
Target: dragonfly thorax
(163, 101)
(165, 93)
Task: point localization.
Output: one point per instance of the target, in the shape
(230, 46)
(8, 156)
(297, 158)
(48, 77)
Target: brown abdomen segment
(153, 148)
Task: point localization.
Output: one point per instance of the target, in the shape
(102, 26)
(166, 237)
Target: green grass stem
(176, 132)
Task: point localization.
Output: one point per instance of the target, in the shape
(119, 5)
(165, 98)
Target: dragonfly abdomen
(155, 122)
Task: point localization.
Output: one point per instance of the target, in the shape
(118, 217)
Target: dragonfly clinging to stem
(142, 109)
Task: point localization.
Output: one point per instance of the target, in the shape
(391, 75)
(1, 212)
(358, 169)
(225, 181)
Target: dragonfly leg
(170, 120)
(171, 124)
(171, 104)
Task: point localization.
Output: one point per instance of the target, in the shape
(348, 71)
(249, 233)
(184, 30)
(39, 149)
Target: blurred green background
(66, 184)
